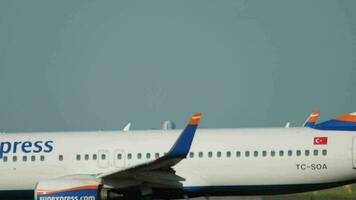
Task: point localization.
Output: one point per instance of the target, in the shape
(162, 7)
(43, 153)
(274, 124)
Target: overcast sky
(89, 65)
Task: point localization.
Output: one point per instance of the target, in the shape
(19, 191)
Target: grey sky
(88, 65)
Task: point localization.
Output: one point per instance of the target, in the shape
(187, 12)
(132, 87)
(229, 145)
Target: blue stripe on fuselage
(336, 125)
(194, 191)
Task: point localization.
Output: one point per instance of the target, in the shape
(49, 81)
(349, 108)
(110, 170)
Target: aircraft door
(354, 152)
(103, 158)
(119, 158)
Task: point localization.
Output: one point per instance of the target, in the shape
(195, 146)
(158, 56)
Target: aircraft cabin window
(325, 152)
(103, 156)
(60, 157)
(33, 158)
(78, 157)
(129, 156)
(148, 155)
(255, 153)
(4, 158)
(290, 153)
(307, 152)
(238, 154)
(218, 154)
(14, 158)
(228, 154)
(139, 156)
(247, 153)
(200, 154)
(191, 154)
(316, 152)
(42, 158)
(299, 152)
(264, 153)
(86, 157)
(119, 156)
(281, 153)
(156, 155)
(95, 156)
(273, 153)
(24, 158)
(210, 154)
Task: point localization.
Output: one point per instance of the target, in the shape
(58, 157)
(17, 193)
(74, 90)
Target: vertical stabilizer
(310, 122)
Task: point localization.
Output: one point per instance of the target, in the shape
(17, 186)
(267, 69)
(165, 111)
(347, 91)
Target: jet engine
(64, 189)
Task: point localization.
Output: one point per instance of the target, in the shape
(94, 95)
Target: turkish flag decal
(320, 140)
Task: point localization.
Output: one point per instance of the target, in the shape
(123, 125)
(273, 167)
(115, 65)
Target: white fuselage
(228, 164)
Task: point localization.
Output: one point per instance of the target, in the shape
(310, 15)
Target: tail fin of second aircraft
(311, 120)
(343, 123)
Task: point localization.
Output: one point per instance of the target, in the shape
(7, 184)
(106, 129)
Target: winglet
(310, 122)
(181, 147)
(195, 119)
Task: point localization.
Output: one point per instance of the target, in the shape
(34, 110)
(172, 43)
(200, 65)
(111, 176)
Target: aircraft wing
(160, 172)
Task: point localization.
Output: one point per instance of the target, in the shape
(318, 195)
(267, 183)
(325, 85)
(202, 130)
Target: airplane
(186, 163)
